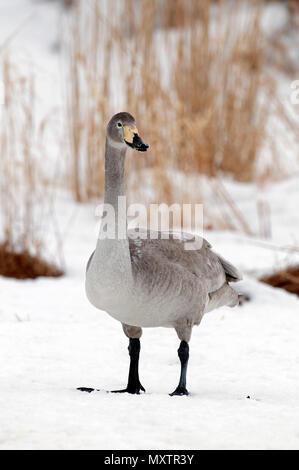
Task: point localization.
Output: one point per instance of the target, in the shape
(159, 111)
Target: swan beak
(133, 140)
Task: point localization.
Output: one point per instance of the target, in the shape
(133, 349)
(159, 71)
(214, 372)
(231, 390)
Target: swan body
(147, 280)
(159, 283)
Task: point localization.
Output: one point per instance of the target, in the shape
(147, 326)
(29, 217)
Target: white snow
(52, 341)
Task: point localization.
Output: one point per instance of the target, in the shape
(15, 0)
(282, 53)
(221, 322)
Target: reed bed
(287, 279)
(193, 75)
(25, 199)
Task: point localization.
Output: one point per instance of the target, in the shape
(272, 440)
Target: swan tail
(232, 273)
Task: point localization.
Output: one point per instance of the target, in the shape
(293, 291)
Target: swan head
(122, 132)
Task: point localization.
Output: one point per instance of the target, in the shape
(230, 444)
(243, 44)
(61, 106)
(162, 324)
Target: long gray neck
(113, 231)
(111, 263)
(115, 190)
(114, 174)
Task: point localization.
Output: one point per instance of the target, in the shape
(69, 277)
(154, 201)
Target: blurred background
(210, 84)
(214, 88)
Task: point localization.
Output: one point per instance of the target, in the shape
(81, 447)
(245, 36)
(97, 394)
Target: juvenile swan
(146, 282)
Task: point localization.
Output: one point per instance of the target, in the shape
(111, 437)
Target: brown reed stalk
(25, 216)
(89, 56)
(191, 75)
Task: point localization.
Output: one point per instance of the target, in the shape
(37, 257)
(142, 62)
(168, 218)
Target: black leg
(183, 353)
(134, 386)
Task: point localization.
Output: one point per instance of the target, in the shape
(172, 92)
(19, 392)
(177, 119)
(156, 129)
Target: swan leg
(184, 334)
(134, 386)
(183, 353)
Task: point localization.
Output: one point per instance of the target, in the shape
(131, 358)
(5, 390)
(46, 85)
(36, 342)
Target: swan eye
(119, 124)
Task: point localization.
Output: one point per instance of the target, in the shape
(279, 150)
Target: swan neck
(114, 174)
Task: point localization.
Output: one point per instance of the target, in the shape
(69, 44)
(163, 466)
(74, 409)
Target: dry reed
(287, 279)
(193, 75)
(24, 198)
(87, 99)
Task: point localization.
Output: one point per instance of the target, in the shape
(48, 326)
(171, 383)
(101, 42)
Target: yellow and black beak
(133, 140)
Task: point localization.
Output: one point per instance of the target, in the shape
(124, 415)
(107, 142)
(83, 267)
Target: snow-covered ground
(52, 340)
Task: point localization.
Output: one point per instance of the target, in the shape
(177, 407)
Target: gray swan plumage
(146, 280)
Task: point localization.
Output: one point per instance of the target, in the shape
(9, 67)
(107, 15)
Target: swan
(151, 281)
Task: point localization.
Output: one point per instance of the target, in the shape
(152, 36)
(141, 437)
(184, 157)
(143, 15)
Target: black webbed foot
(133, 389)
(134, 386)
(179, 391)
(87, 389)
